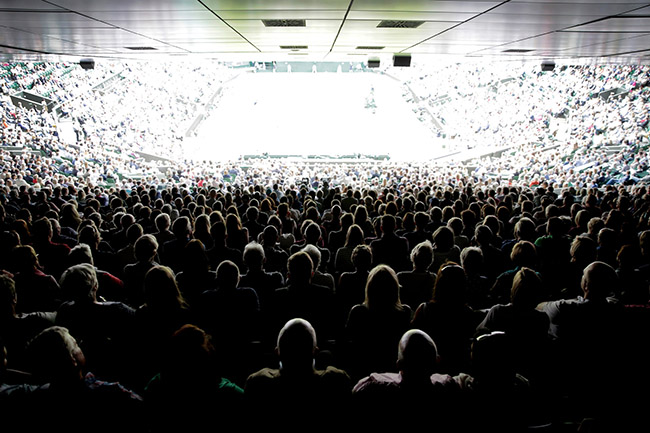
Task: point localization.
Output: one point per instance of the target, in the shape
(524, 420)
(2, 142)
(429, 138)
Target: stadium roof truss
(592, 31)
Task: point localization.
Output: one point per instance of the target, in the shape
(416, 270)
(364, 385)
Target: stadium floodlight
(548, 65)
(401, 60)
(87, 64)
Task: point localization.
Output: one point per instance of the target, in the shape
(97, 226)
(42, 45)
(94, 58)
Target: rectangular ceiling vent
(141, 48)
(369, 47)
(400, 24)
(284, 23)
(294, 47)
(517, 50)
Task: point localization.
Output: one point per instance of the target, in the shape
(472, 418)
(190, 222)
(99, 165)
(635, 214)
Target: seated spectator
(336, 239)
(494, 262)
(118, 239)
(524, 230)
(456, 225)
(163, 223)
(332, 220)
(343, 256)
(36, 290)
(471, 260)
(493, 383)
(594, 226)
(633, 287)
(313, 236)
(297, 391)
(302, 298)
(51, 256)
(276, 258)
(390, 249)
(523, 254)
(190, 382)
(252, 224)
(103, 329)
(580, 328)
(416, 386)
(230, 314)
(420, 233)
(15, 392)
(110, 287)
(580, 223)
(195, 276)
(320, 277)
(8, 240)
(58, 237)
(583, 253)
(608, 246)
(163, 312)
(264, 283)
(172, 251)
(57, 360)
(526, 327)
(444, 249)
(202, 230)
(351, 288)
(103, 254)
(374, 327)
(553, 251)
(448, 319)
(16, 329)
(145, 252)
(126, 255)
(220, 251)
(238, 235)
(416, 286)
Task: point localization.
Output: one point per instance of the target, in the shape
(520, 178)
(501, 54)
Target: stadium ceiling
(323, 30)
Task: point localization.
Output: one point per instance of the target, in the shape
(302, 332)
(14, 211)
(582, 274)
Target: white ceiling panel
(26, 5)
(424, 5)
(214, 47)
(128, 5)
(37, 20)
(151, 15)
(446, 49)
(279, 14)
(408, 15)
(551, 8)
(562, 41)
(617, 25)
(197, 29)
(225, 5)
(582, 28)
(558, 22)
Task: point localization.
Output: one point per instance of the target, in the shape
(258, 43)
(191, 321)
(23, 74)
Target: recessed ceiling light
(284, 23)
(400, 24)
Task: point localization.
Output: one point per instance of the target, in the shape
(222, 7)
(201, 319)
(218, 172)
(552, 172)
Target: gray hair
(80, 282)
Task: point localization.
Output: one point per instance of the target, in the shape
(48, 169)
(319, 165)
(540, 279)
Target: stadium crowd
(510, 292)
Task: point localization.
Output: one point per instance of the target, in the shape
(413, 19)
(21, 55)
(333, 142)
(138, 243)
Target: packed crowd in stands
(510, 293)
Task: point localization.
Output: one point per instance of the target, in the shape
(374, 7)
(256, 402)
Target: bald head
(598, 280)
(417, 354)
(297, 344)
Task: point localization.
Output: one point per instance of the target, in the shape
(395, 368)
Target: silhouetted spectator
(297, 392)
(390, 249)
(416, 285)
(374, 327)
